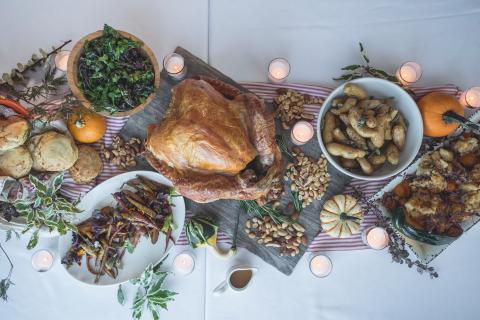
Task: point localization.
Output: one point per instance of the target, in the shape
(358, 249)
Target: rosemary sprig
(256, 210)
(397, 247)
(297, 204)
(282, 144)
(355, 71)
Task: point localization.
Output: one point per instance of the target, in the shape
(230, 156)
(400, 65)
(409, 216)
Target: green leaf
(39, 186)
(57, 182)
(33, 240)
(4, 286)
(120, 295)
(344, 77)
(168, 223)
(352, 67)
(363, 53)
(129, 246)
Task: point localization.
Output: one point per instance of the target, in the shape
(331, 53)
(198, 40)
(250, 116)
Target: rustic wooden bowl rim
(72, 72)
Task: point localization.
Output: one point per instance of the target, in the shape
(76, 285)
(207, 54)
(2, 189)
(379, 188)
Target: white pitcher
(237, 279)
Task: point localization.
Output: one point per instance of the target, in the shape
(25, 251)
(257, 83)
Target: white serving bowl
(380, 88)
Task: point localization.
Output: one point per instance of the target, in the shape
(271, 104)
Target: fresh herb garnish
(355, 71)
(151, 292)
(256, 210)
(6, 282)
(113, 72)
(120, 295)
(47, 209)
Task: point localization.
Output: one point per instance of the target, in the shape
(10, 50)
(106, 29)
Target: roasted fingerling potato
(364, 132)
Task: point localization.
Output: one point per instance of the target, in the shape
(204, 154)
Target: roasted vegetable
(347, 152)
(399, 223)
(110, 232)
(202, 232)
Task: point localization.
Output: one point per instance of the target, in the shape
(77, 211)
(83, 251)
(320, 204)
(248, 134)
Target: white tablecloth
(240, 38)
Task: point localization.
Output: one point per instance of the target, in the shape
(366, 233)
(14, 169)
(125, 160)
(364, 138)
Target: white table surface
(240, 38)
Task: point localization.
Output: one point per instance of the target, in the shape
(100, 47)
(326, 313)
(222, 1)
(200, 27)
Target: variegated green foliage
(200, 230)
(151, 292)
(46, 209)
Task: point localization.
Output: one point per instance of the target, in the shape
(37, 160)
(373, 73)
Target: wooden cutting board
(225, 211)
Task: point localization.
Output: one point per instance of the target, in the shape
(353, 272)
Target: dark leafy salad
(113, 72)
(105, 237)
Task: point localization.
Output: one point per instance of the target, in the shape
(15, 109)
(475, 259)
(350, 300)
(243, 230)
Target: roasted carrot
(14, 105)
(402, 190)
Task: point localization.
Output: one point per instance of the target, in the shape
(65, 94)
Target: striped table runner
(322, 241)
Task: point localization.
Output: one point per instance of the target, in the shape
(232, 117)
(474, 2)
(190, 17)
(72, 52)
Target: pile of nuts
(122, 153)
(290, 106)
(286, 236)
(309, 177)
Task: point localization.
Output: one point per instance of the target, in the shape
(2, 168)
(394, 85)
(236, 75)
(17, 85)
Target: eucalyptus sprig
(6, 282)
(47, 209)
(355, 71)
(17, 74)
(397, 246)
(150, 293)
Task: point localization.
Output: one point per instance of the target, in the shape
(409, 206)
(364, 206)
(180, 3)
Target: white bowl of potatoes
(370, 129)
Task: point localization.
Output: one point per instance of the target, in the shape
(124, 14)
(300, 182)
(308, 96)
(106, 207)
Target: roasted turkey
(216, 142)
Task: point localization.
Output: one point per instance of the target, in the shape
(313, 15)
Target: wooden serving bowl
(72, 72)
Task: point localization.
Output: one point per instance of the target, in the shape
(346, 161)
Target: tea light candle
(175, 65)
(321, 266)
(61, 60)
(42, 260)
(376, 238)
(302, 132)
(471, 98)
(278, 70)
(409, 72)
(184, 263)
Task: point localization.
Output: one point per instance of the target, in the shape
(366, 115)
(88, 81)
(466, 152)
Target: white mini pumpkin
(341, 216)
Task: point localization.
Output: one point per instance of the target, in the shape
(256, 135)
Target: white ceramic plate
(404, 103)
(145, 253)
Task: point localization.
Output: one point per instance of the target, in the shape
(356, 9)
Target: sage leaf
(352, 67)
(120, 295)
(33, 240)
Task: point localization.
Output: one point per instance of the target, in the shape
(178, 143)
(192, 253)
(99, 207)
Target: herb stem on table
(355, 71)
(6, 282)
(397, 246)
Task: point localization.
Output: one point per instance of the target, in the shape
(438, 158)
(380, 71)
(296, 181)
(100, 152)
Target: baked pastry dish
(52, 151)
(88, 165)
(216, 142)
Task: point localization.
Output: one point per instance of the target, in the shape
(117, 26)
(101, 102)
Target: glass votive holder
(470, 98)
(320, 265)
(278, 70)
(184, 263)
(376, 238)
(42, 260)
(174, 64)
(61, 60)
(409, 73)
(302, 132)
